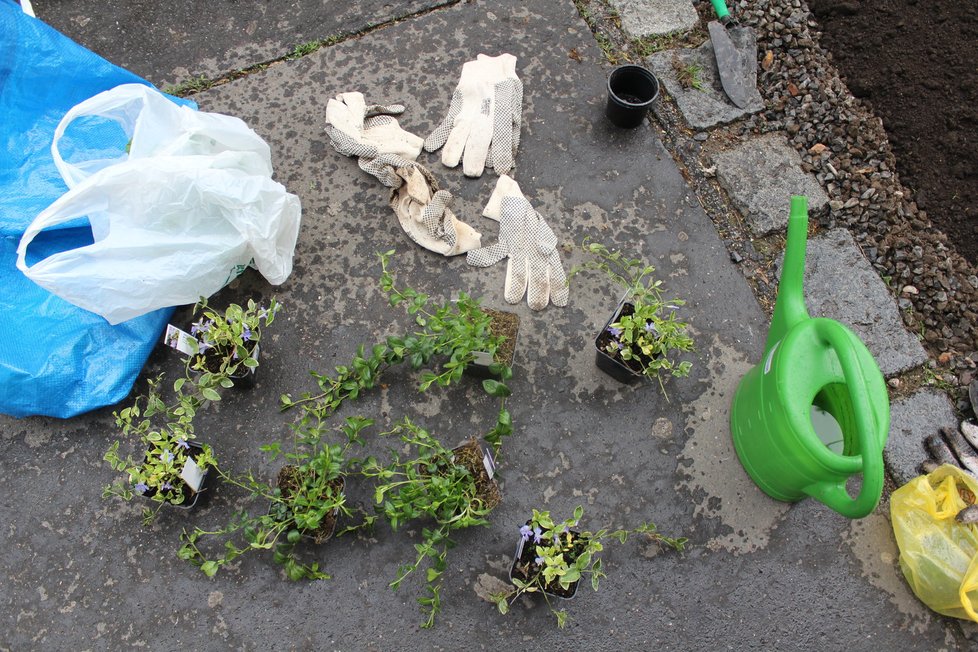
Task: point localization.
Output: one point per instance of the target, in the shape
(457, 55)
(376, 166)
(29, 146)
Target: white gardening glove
(425, 216)
(483, 122)
(371, 134)
(534, 265)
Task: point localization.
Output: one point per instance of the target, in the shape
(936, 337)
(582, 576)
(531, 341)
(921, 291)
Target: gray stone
(911, 420)
(641, 18)
(761, 175)
(707, 106)
(841, 284)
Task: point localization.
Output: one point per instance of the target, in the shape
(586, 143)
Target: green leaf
(210, 394)
(209, 568)
(495, 388)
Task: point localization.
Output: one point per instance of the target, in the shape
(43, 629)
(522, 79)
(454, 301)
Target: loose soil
(915, 62)
(505, 325)
(469, 456)
(289, 481)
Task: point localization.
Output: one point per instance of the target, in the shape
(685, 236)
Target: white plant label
(482, 358)
(192, 475)
(489, 463)
(179, 340)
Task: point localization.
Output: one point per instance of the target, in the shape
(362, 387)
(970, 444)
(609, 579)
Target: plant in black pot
(552, 558)
(228, 343)
(166, 465)
(643, 338)
(450, 488)
(306, 501)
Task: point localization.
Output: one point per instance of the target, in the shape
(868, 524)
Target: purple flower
(650, 328)
(262, 314)
(194, 328)
(539, 561)
(615, 332)
(182, 443)
(141, 487)
(557, 540)
(537, 535)
(166, 486)
(203, 346)
(167, 456)
(246, 335)
(525, 532)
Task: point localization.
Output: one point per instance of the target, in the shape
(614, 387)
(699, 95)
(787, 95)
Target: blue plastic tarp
(55, 359)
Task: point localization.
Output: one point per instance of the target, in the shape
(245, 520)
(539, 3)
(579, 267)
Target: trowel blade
(730, 66)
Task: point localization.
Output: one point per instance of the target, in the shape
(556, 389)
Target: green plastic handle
(870, 459)
(720, 7)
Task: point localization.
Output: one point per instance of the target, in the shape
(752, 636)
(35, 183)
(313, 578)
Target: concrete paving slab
(760, 175)
(79, 571)
(642, 18)
(171, 42)
(841, 284)
(912, 419)
(707, 106)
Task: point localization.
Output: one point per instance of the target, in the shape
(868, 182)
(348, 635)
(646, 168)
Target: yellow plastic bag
(938, 555)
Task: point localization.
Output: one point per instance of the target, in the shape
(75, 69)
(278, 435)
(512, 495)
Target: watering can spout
(790, 306)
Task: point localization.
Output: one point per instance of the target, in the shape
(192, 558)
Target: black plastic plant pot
(523, 558)
(244, 377)
(631, 92)
(190, 496)
(480, 366)
(605, 361)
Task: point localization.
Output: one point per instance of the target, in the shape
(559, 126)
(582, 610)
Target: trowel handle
(720, 7)
(870, 458)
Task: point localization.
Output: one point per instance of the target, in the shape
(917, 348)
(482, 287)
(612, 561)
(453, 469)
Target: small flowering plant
(307, 500)
(645, 334)
(226, 342)
(166, 449)
(553, 557)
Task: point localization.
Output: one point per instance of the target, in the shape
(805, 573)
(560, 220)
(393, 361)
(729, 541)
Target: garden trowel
(737, 75)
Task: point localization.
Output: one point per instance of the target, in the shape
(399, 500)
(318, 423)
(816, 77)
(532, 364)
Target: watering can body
(811, 362)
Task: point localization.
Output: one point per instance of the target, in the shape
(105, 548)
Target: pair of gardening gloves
(482, 128)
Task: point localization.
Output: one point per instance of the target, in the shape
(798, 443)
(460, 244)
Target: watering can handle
(834, 494)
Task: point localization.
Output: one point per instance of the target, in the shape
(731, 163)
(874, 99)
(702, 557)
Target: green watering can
(811, 367)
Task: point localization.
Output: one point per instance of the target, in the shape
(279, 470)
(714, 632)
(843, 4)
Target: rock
(894, 383)
(909, 289)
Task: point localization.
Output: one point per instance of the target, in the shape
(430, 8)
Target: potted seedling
(644, 337)
(552, 558)
(306, 501)
(226, 344)
(450, 488)
(166, 465)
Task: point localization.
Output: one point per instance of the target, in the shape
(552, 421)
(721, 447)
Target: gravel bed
(844, 144)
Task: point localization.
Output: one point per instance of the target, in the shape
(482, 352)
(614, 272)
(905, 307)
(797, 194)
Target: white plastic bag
(178, 218)
(155, 126)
